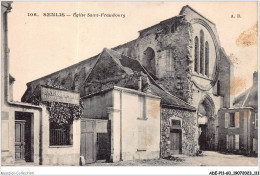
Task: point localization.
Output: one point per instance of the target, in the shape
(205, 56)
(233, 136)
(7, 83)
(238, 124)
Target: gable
(105, 68)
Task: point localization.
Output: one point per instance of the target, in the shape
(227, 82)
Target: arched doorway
(206, 123)
(149, 60)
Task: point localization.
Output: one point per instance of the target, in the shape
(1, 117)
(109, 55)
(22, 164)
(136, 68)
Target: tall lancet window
(202, 52)
(196, 54)
(207, 59)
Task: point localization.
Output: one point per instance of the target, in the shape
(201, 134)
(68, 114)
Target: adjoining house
(238, 126)
(20, 121)
(28, 137)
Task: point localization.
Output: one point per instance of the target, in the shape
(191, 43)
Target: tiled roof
(249, 98)
(130, 65)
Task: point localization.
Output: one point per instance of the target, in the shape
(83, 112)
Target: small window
(256, 120)
(170, 61)
(179, 83)
(60, 135)
(176, 123)
(232, 120)
(142, 107)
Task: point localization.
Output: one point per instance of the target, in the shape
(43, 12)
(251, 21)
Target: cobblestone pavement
(208, 158)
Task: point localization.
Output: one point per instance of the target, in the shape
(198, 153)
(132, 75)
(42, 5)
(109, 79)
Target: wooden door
(19, 140)
(175, 142)
(88, 140)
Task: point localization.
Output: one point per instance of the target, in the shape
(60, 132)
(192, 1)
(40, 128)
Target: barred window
(60, 135)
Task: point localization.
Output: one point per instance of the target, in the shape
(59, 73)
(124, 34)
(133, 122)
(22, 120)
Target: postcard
(94, 84)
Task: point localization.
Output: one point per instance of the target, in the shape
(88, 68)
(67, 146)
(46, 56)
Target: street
(208, 158)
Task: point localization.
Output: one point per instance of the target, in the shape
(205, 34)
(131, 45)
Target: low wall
(60, 155)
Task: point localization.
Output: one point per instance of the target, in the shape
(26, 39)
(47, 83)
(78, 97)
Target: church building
(152, 97)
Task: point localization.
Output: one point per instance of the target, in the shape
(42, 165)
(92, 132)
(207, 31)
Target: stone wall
(189, 131)
(173, 59)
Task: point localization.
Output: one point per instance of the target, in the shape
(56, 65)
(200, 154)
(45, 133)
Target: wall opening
(24, 142)
(206, 124)
(149, 60)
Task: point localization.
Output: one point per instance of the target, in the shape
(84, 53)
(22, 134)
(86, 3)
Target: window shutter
(227, 142)
(237, 141)
(142, 138)
(255, 145)
(237, 119)
(256, 120)
(226, 120)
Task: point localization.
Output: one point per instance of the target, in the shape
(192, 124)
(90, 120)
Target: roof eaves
(190, 108)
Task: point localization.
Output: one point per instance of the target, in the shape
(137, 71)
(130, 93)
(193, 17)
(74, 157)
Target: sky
(41, 45)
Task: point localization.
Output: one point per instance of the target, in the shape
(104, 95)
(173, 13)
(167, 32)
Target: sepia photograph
(94, 84)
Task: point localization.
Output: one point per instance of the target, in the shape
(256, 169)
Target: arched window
(202, 52)
(207, 59)
(149, 60)
(196, 54)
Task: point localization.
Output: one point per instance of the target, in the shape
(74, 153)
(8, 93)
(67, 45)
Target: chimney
(140, 83)
(255, 78)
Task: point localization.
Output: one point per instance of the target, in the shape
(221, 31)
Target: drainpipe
(248, 132)
(121, 159)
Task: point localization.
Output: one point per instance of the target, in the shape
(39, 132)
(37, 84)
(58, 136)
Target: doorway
(175, 141)
(23, 137)
(95, 140)
(88, 140)
(203, 137)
